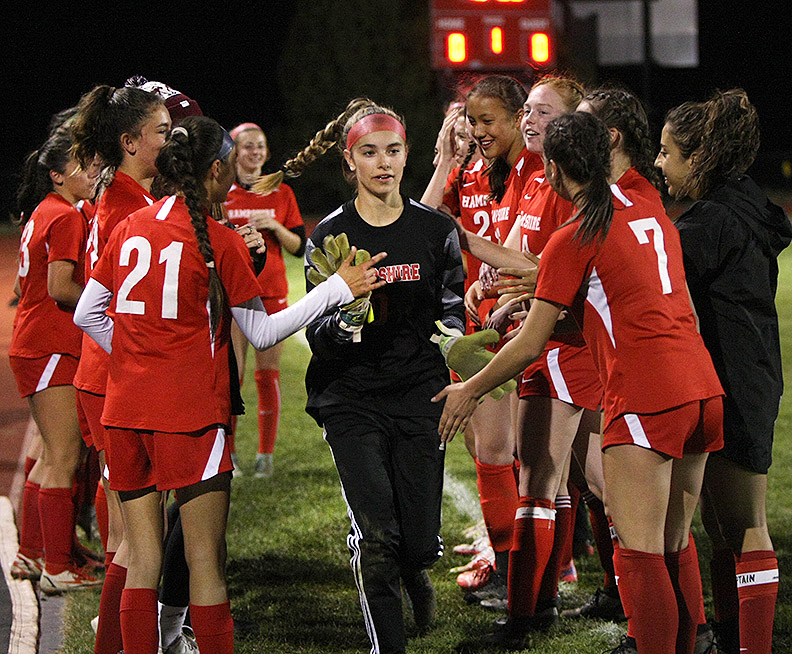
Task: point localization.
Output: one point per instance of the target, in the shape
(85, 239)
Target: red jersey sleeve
(451, 192)
(564, 267)
(66, 238)
(234, 265)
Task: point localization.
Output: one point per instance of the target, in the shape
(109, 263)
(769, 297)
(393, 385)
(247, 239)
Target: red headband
(244, 127)
(374, 123)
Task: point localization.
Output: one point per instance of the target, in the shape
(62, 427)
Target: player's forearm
(90, 314)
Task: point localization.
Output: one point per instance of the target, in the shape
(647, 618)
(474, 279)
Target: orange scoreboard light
(492, 34)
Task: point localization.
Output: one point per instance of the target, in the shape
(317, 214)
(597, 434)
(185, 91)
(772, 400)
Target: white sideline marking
(24, 626)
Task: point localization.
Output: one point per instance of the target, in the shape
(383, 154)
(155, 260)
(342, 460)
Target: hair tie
(210, 264)
(180, 130)
(374, 123)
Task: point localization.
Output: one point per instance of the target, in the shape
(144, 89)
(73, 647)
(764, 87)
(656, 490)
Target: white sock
(171, 621)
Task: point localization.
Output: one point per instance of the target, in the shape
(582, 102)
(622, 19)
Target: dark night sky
(225, 55)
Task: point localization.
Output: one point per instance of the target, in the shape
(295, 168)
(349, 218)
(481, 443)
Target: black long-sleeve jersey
(395, 368)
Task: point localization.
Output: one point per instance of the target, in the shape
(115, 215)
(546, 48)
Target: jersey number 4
(641, 229)
(170, 256)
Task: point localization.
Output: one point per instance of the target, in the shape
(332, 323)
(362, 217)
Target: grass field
(289, 580)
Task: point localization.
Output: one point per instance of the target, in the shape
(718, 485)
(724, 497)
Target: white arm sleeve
(90, 314)
(263, 330)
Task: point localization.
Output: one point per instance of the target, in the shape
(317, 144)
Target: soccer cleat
(568, 573)
(627, 645)
(235, 462)
(476, 547)
(495, 604)
(705, 640)
(495, 588)
(475, 578)
(264, 466)
(24, 567)
(184, 643)
(95, 624)
(421, 594)
(513, 633)
(66, 581)
(602, 605)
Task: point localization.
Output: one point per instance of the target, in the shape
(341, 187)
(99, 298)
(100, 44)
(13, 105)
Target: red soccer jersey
(166, 373)
(280, 205)
(505, 211)
(119, 200)
(55, 231)
(540, 211)
(636, 314)
(469, 200)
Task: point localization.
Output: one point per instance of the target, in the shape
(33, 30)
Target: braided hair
(184, 162)
(726, 139)
(579, 144)
(36, 182)
(512, 96)
(619, 109)
(331, 134)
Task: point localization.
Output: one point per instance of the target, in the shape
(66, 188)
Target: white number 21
(641, 229)
(170, 256)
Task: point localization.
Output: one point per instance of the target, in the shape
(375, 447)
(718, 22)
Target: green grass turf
(289, 581)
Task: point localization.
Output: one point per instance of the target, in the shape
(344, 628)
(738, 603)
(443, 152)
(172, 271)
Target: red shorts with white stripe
(141, 459)
(34, 375)
(692, 428)
(92, 406)
(566, 373)
(274, 304)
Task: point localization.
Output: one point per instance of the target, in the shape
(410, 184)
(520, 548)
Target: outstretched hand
(459, 406)
(361, 278)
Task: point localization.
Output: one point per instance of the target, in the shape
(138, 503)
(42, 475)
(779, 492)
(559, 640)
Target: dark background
(292, 66)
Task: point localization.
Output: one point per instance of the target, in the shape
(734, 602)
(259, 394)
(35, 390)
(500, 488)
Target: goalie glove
(327, 260)
(354, 315)
(467, 355)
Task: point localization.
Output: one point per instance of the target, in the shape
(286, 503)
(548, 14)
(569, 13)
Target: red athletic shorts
(141, 459)
(274, 304)
(92, 406)
(691, 428)
(566, 373)
(34, 375)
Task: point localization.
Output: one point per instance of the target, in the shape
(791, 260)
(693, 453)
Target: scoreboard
(492, 34)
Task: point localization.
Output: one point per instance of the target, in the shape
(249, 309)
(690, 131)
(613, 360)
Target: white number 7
(640, 229)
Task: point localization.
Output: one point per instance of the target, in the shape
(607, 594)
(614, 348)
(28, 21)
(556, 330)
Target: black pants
(391, 472)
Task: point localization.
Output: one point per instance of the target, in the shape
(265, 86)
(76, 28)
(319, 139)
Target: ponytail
(36, 181)
(579, 144)
(334, 133)
(183, 162)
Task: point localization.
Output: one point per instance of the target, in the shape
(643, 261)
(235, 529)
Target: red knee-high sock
(29, 463)
(683, 569)
(499, 500)
(100, 503)
(56, 510)
(700, 612)
(534, 531)
(548, 591)
(31, 542)
(723, 576)
(231, 436)
(213, 627)
(139, 621)
(649, 601)
(108, 633)
(600, 528)
(269, 402)
(757, 587)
